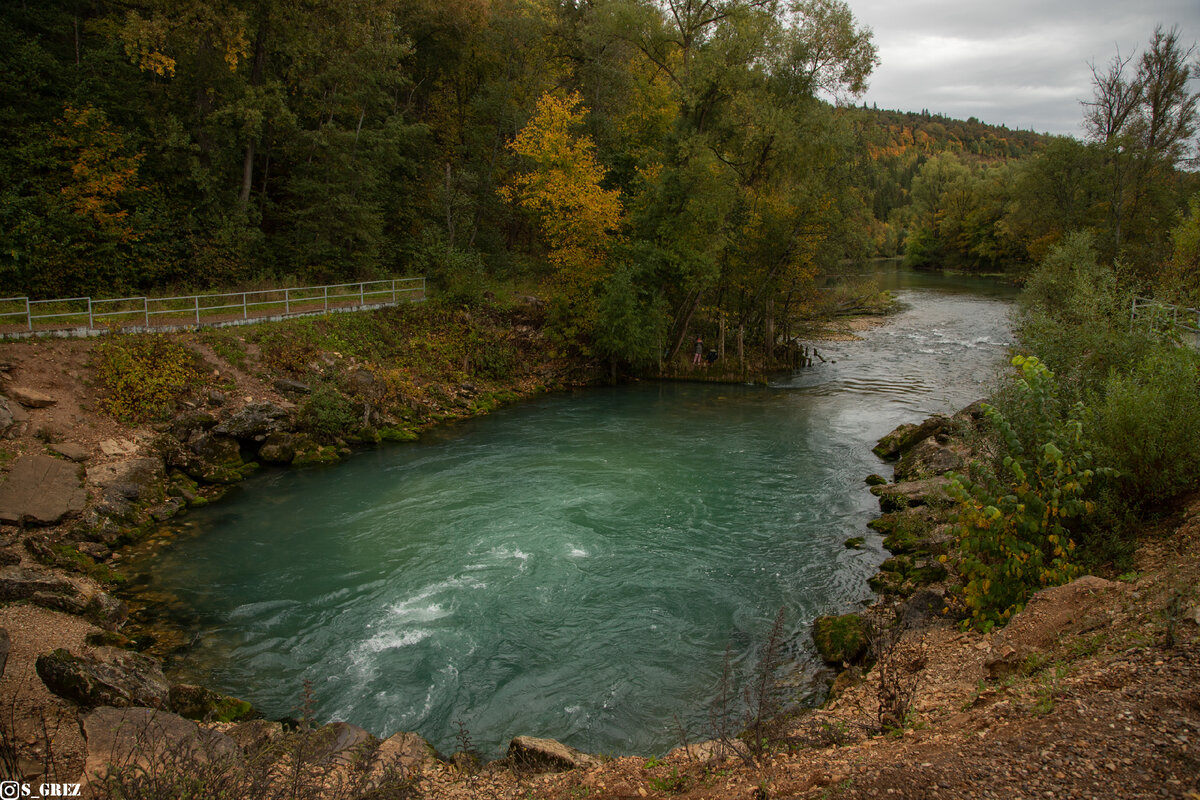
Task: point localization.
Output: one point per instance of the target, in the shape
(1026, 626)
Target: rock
(875, 480)
(924, 607)
(970, 414)
(22, 583)
(95, 550)
(72, 603)
(70, 450)
(30, 398)
(185, 426)
(841, 639)
(531, 754)
(41, 489)
(289, 386)
(134, 479)
(199, 703)
(255, 421)
(906, 435)
(8, 556)
(226, 469)
(105, 677)
(898, 496)
(844, 680)
(406, 753)
(854, 543)
(1051, 612)
(106, 611)
(926, 459)
(5, 646)
(338, 742)
(216, 398)
(279, 448)
(12, 417)
(254, 735)
(134, 740)
(117, 447)
(218, 450)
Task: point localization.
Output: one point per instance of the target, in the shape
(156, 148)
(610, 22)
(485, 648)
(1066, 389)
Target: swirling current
(574, 567)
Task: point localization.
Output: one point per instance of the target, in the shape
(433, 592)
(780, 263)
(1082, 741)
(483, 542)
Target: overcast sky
(1020, 63)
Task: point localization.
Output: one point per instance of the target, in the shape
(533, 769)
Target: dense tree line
(1128, 183)
(657, 167)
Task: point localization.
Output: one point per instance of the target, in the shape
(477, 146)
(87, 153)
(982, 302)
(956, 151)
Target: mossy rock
(841, 639)
(932, 572)
(397, 433)
(886, 583)
(321, 455)
(109, 639)
(199, 703)
(854, 543)
(875, 480)
(899, 564)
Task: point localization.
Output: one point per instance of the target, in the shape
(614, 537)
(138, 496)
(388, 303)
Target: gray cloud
(1023, 64)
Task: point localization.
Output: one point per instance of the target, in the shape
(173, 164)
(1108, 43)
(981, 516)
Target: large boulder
(279, 448)
(255, 422)
(927, 458)
(841, 639)
(531, 754)
(191, 424)
(200, 703)
(22, 583)
(42, 490)
(405, 752)
(137, 741)
(104, 677)
(898, 496)
(905, 436)
(30, 398)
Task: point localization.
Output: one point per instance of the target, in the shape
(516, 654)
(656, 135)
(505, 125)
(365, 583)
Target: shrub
(1147, 425)
(326, 414)
(143, 376)
(1012, 526)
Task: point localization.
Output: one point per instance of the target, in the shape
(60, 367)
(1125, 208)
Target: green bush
(1012, 523)
(327, 414)
(142, 377)
(1147, 425)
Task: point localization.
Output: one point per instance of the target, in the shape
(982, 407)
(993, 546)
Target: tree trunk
(247, 173)
(681, 334)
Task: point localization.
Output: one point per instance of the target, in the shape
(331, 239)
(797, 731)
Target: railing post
(90, 317)
(28, 315)
(146, 310)
(393, 291)
(287, 301)
(196, 300)
(325, 293)
(362, 294)
(245, 312)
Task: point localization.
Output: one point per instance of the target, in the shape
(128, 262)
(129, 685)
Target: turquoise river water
(573, 567)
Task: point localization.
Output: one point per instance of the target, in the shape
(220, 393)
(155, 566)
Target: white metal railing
(1160, 317)
(86, 315)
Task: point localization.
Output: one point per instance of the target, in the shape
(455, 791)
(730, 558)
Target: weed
(675, 783)
(143, 376)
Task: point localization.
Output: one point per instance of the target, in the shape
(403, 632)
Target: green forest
(650, 169)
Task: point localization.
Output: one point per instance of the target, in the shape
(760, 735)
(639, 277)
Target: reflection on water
(573, 567)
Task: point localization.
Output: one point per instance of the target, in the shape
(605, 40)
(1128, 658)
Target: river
(577, 566)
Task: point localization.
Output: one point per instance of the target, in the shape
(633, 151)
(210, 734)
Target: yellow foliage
(577, 215)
